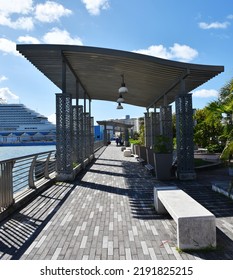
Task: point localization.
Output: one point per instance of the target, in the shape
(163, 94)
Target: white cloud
(28, 40)
(25, 23)
(230, 17)
(20, 23)
(205, 93)
(50, 11)
(3, 78)
(155, 50)
(94, 6)
(183, 52)
(214, 25)
(8, 47)
(16, 6)
(22, 14)
(58, 36)
(176, 52)
(54, 36)
(6, 94)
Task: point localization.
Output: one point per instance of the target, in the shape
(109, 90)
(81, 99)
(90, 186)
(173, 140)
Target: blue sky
(193, 31)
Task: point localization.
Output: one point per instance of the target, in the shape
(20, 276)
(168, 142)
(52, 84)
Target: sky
(193, 31)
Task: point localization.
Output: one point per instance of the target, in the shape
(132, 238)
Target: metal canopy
(99, 71)
(115, 124)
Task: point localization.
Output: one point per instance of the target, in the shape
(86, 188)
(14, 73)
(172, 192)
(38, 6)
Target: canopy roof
(115, 124)
(99, 70)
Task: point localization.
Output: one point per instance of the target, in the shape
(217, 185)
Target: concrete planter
(76, 170)
(136, 149)
(230, 171)
(163, 164)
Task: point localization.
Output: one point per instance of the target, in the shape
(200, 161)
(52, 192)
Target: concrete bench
(127, 153)
(196, 226)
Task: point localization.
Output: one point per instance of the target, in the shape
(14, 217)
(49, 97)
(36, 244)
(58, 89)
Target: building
(19, 124)
(98, 132)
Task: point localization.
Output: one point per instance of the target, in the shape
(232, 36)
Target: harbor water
(18, 151)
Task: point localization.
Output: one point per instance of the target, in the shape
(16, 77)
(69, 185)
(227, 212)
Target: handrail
(26, 156)
(18, 174)
(27, 172)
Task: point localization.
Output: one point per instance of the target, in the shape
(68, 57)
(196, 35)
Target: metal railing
(18, 174)
(27, 172)
(98, 144)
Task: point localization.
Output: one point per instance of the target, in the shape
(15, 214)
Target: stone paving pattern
(107, 213)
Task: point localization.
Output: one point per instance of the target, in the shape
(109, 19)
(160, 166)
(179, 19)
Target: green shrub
(133, 141)
(215, 148)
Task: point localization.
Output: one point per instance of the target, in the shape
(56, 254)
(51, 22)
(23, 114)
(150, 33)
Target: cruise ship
(21, 125)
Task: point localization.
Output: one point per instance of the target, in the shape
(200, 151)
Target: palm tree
(226, 100)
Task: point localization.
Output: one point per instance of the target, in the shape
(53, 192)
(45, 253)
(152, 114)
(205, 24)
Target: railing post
(46, 168)
(6, 185)
(31, 182)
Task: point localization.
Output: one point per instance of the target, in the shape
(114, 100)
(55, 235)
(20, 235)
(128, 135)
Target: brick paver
(107, 213)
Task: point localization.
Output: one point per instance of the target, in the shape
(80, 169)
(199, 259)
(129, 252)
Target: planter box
(230, 171)
(163, 164)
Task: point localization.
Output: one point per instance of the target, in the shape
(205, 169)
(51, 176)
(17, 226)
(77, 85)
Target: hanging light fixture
(119, 106)
(120, 99)
(123, 88)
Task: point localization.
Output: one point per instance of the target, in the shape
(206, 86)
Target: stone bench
(127, 152)
(196, 226)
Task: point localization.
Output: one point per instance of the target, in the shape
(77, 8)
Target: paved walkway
(107, 213)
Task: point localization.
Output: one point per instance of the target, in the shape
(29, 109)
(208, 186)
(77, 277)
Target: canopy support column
(155, 127)
(87, 125)
(105, 135)
(126, 137)
(166, 127)
(76, 127)
(184, 136)
(92, 136)
(80, 137)
(64, 136)
(64, 123)
(147, 129)
(84, 126)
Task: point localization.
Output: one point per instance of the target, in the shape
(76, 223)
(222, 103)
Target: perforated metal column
(87, 133)
(147, 129)
(75, 134)
(126, 137)
(92, 136)
(64, 134)
(155, 127)
(105, 135)
(184, 135)
(166, 126)
(80, 139)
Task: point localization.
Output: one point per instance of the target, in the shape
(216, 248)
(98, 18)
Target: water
(18, 151)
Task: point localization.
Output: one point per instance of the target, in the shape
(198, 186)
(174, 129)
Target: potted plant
(227, 156)
(163, 157)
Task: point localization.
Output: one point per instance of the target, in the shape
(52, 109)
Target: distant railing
(98, 144)
(27, 172)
